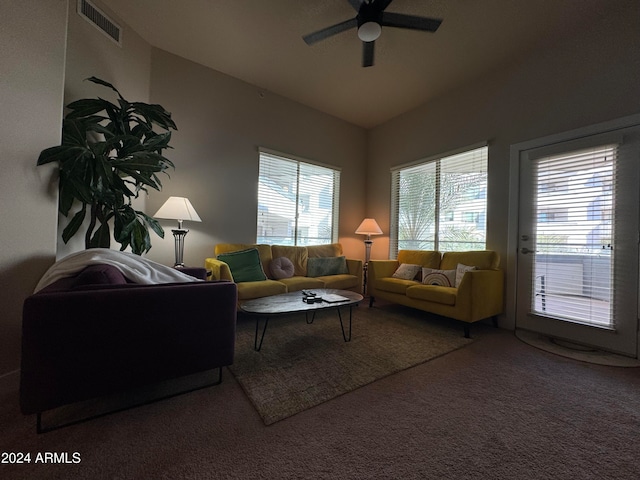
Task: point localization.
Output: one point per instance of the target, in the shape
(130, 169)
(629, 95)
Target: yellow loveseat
(478, 295)
(350, 277)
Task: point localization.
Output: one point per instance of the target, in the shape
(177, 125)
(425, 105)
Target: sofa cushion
(407, 271)
(249, 290)
(340, 282)
(461, 270)
(433, 293)
(327, 250)
(297, 255)
(320, 266)
(281, 267)
(394, 285)
(444, 278)
(263, 250)
(245, 265)
(295, 284)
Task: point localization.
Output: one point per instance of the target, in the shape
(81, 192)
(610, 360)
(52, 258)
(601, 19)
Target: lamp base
(367, 246)
(179, 235)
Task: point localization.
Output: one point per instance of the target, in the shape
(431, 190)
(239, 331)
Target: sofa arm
(354, 267)
(219, 270)
(481, 294)
(379, 269)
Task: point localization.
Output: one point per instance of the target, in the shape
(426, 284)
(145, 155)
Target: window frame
(296, 238)
(441, 214)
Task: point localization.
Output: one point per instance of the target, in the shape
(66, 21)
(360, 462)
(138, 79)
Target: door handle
(525, 250)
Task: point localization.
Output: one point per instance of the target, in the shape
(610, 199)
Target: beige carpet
(302, 365)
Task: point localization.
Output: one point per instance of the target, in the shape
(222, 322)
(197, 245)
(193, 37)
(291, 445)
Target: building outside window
(440, 203)
(298, 201)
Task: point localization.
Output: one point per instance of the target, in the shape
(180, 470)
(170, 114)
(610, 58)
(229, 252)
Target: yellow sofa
(478, 296)
(299, 256)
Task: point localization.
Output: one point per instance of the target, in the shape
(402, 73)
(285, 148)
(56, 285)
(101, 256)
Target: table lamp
(178, 208)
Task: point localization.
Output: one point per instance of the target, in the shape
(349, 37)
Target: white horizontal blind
(298, 202)
(440, 204)
(573, 264)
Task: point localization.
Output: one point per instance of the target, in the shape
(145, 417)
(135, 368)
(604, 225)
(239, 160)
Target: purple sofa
(95, 334)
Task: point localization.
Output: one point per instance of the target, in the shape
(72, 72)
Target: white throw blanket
(136, 268)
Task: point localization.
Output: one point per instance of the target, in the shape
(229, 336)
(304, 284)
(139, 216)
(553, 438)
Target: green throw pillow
(245, 265)
(320, 266)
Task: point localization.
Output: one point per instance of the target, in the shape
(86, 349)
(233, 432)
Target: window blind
(440, 203)
(574, 239)
(298, 202)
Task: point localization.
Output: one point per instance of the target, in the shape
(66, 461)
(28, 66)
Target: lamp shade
(178, 208)
(369, 226)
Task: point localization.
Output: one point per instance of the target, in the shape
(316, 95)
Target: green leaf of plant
(65, 197)
(53, 154)
(73, 226)
(106, 84)
(101, 237)
(155, 114)
(86, 107)
(153, 223)
(157, 141)
(74, 133)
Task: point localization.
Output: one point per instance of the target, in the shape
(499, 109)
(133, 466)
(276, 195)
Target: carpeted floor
(302, 365)
(577, 352)
(495, 409)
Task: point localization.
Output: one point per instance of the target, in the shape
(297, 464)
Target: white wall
(32, 36)
(588, 79)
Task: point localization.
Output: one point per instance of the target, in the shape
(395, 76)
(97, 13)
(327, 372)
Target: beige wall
(588, 79)
(221, 123)
(32, 36)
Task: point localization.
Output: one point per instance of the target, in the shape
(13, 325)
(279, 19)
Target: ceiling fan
(370, 19)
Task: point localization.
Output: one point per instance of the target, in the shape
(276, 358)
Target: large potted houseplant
(109, 154)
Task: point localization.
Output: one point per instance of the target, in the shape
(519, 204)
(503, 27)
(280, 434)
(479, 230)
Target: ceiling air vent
(98, 19)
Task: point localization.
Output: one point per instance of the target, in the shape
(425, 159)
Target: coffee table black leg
(257, 346)
(346, 338)
(313, 317)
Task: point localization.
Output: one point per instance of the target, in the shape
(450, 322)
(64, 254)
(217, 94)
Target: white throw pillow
(443, 278)
(407, 271)
(460, 271)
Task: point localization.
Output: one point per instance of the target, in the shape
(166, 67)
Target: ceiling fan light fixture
(369, 31)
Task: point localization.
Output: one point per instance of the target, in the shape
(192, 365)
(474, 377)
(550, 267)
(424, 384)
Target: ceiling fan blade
(382, 4)
(329, 31)
(356, 4)
(367, 53)
(413, 22)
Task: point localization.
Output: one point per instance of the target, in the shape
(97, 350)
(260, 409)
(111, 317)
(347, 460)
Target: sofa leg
(371, 300)
(467, 331)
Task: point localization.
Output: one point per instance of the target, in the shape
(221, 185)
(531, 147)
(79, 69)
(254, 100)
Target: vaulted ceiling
(260, 42)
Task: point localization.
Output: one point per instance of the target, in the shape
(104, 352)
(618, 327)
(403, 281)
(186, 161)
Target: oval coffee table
(287, 303)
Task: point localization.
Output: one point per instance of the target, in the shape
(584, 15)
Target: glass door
(578, 244)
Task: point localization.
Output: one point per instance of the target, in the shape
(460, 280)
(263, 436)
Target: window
(574, 233)
(297, 201)
(440, 203)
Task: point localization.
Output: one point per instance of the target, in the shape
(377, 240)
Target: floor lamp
(368, 227)
(178, 208)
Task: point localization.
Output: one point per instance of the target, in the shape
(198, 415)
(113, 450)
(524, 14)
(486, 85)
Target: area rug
(303, 365)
